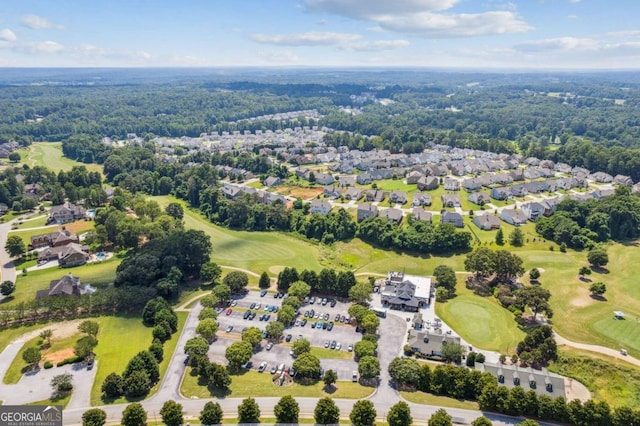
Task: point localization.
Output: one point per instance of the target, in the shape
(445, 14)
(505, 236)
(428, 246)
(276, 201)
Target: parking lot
(344, 334)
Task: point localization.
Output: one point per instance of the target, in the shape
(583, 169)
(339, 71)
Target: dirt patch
(56, 357)
(78, 226)
(305, 193)
(60, 330)
(581, 301)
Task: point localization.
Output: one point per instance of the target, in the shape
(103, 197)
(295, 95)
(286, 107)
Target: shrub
(70, 360)
(48, 365)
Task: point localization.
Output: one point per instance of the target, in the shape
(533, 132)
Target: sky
(495, 34)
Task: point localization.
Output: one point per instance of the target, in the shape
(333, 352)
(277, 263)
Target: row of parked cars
(312, 300)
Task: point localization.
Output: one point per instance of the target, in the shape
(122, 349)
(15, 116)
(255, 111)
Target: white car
(338, 346)
(269, 346)
(262, 367)
(350, 348)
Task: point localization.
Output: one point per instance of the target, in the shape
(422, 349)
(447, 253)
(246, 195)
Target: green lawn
(56, 401)
(252, 383)
(95, 274)
(481, 321)
(49, 154)
(608, 379)
(256, 251)
(113, 356)
(418, 397)
(36, 222)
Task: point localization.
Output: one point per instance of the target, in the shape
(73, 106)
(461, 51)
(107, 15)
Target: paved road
(8, 271)
(597, 349)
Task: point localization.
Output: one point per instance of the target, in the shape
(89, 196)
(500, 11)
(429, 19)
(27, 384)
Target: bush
(48, 365)
(70, 360)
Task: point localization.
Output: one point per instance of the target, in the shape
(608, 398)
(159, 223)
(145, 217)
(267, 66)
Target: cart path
(597, 349)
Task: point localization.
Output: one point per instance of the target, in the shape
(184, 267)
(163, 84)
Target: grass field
(15, 370)
(418, 397)
(608, 379)
(36, 222)
(255, 251)
(113, 356)
(56, 401)
(481, 321)
(252, 383)
(49, 154)
(8, 335)
(95, 274)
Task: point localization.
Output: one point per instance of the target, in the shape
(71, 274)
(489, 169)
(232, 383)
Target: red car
(229, 311)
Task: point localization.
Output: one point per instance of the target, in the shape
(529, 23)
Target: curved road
(6, 263)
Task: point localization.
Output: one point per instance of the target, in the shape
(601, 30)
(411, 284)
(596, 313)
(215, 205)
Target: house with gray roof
(472, 184)
(450, 200)
(421, 199)
(347, 181)
(533, 210)
(331, 192)
(398, 197)
(429, 343)
(353, 194)
(542, 381)
(405, 292)
(68, 285)
(427, 183)
(517, 175)
(394, 215)
(421, 214)
(65, 213)
(324, 179)
(486, 221)
(374, 195)
(479, 198)
(622, 180)
(513, 217)
(320, 207)
(364, 178)
(413, 177)
(601, 177)
(272, 181)
(520, 190)
(451, 184)
(453, 218)
(366, 210)
(500, 193)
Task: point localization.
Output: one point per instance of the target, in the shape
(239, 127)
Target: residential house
(472, 184)
(320, 207)
(413, 177)
(517, 175)
(363, 179)
(324, 179)
(451, 200)
(453, 218)
(479, 198)
(405, 292)
(622, 180)
(68, 285)
(520, 190)
(331, 192)
(353, 194)
(345, 181)
(65, 213)
(533, 188)
(602, 193)
(421, 214)
(421, 199)
(398, 197)
(486, 221)
(231, 191)
(72, 254)
(533, 210)
(366, 210)
(601, 177)
(429, 343)
(562, 168)
(513, 217)
(374, 195)
(500, 193)
(542, 382)
(394, 215)
(502, 179)
(427, 183)
(451, 185)
(57, 238)
(272, 181)
(32, 190)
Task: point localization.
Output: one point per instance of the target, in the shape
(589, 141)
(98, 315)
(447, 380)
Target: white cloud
(425, 18)
(7, 35)
(624, 34)
(558, 44)
(455, 25)
(36, 22)
(279, 56)
(311, 38)
(368, 9)
(342, 41)
(574, 1)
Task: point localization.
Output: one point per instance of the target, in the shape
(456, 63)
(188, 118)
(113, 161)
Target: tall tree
(171, 413)
(536, 298)
(598, 257)
(207, 328)
(361, 293)
(15, 246)
(445, 277)
(399, 415)
(516, 238)
(440, 418)
(32, 356)
(211, 414)
(7, 287)
(500, 237)
(264, 282)
(94, 417)
(248, 411)
(134, 415)
(326, 412)
(236, 280)
(210, 272)
(287, 410)
(363, 413)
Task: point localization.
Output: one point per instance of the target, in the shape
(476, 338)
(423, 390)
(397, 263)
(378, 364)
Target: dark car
(247, 365)
(252, 316)
(91, 361)
(267, 317)
(262, 293)
(306, 314)
(288, 338)
(337, 318)
(303, 323)
(312, 313)
(330, 326)
(253, 305)
(275, 295)
(326, 317)
(333, 302)
(246, 314)
(333, 344)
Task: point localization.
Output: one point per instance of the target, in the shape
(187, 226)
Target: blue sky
(517, 34)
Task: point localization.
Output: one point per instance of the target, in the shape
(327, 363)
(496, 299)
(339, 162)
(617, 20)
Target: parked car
(265, 334)
(319, 325)
(324, 301)
(303, 323)
(258, 305)
(262, 367)
(90, 364)
(269, 346)
(326, 317)
(326, 343)
(306, 314)
(252, 316)
(229, 329)
(292, 372)
(333, 344)
(288, 338)
(246, 314)
(330, 326)
(247, 365)
(354, 376)
(338, 346)
(343, 319)
(312, 300)
(253, 305)
(228, 312)
(234, 303)
(333, 302)
(350, 348)
(337, 318)
(263, 293)
(274, 369)
(275, 295)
